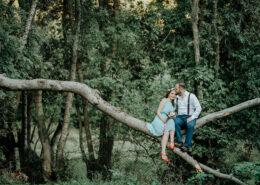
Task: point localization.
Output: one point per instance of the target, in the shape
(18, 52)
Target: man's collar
(186, 93)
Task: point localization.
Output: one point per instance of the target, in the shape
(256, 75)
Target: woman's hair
(167, 94)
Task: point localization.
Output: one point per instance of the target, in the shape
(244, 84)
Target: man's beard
(178, 93)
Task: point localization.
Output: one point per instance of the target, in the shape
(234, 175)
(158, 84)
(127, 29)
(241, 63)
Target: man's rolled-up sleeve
(196, 104)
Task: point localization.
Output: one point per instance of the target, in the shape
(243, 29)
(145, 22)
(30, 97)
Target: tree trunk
(92, 96)
(215, 16)
(29, 117)
(69, 99)
(28, 26)
(85, 113)
(91, 164)
(22, 134)
(83, 154)
(106, 138)
(195, 30)
(44, 138)
(54, 139)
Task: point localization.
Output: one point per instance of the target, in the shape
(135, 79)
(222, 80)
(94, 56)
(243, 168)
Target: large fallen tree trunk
(93, 97)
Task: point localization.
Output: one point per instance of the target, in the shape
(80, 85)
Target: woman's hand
(170, 114)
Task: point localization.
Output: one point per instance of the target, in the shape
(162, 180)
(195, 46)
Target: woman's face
(172, 95)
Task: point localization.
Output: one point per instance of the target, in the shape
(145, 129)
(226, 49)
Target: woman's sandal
(164, 157)
(171, 146)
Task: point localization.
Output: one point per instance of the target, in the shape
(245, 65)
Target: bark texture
(43, 134)
(215, 16)
(85, 113)
(195, 30)
(93, 97)
(28, 26)
(69, 99)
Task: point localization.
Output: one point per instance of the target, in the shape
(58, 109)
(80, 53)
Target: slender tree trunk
(103, 147)
(69, 99)
(54, 139)
(110, 141)
(215, 16)
(91, 164)
(85, 113)
(28, 26)
(29, 117)
(106, 138)
(43, 134)
(84, 157)
(195, 30)
(22, 134)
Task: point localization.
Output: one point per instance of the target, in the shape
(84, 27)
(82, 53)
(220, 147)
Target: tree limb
(93, 97)
(226, 112)
(221, 175)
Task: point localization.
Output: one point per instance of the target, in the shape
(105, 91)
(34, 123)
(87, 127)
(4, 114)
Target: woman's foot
(171, 146)
(164, 157)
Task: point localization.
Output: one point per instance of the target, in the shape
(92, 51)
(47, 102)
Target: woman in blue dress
(162, 125)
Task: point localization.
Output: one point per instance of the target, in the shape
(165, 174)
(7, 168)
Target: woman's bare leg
(172, 135)
(164, 142)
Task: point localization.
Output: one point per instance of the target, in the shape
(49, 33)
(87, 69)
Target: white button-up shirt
(195, 107)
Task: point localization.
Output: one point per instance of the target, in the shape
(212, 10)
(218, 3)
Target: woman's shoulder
(164, 100)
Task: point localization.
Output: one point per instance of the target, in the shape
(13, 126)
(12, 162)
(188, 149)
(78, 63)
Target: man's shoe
(184, 149)
(178, 144)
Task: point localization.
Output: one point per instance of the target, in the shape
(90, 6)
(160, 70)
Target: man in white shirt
(188, 110)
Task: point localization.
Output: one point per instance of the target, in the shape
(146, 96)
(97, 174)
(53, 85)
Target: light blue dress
(157, 126)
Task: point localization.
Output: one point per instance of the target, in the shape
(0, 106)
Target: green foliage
(201, 179)
(247, 170)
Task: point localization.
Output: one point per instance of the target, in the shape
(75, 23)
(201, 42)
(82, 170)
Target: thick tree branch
(221, 175)
(93, 97)
(226, 112)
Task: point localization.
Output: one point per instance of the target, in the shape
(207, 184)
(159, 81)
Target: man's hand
(189, 120)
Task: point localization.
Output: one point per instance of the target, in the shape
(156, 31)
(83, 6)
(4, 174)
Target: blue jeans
(180, 123)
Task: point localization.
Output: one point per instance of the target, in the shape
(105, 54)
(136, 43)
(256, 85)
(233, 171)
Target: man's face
(177, 89)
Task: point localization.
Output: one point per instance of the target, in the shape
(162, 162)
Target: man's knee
(178, 121)
(191, 124)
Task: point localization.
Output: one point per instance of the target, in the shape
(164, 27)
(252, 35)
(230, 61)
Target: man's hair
(182, 85)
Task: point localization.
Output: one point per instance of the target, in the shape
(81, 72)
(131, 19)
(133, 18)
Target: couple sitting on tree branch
(166, 122)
